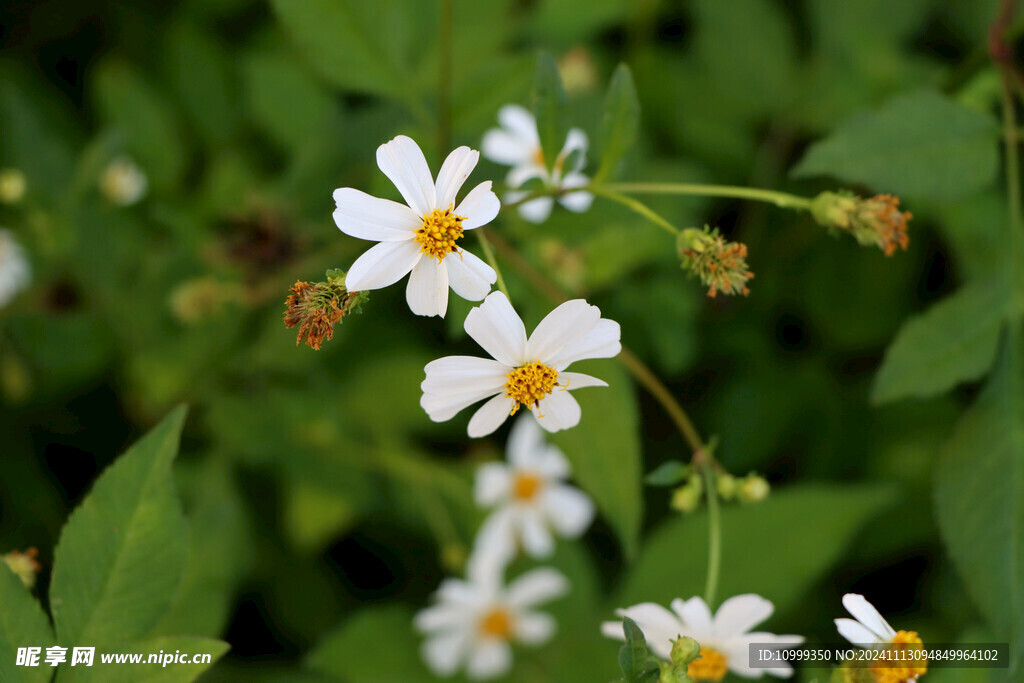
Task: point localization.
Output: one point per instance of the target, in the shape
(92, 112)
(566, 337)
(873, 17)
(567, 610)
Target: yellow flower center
(525, 486)
(710, 666)
(440, 231)
(902, 666)
(496, 623)
(530, 383)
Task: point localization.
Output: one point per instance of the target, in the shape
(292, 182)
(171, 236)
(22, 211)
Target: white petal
(520, 174)
(462, 594)
(520, 122)
(443, 407)
(444, 653)
(569, 510)
(454, 172)
(382, 265)
(371, 218)
(613, 629)
(856, 632)
(490, 416)
(492, 484)
(534, 628)
(695, 614)
(468, 276)
(490, 658)
(495, 545)
(578, 201)
(537, 210)
(575, 141)
(403, 163)
(427, 291)
(524, 440)
(550, 462)
(740, 613)
(565, 325)
(496, 327)
(503, 148)
(479, 207)
(535, 587)
(660, 627)
(601, 342)
(558, 411)
(864, 612)
(455, 374)
(441, 617)
(578, 380)
(536, 538)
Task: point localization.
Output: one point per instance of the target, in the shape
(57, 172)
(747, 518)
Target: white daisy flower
(422, 237)
(525, 372)
(517, 144)
(474, 621)
(724, 638)
(15, 272)
(869, 629)
(123, 182)
(530, 497)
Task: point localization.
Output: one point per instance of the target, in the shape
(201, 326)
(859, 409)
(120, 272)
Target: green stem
(714, 535)
(780, 199)
(1012, 155)
(634, 205)
(485, 244)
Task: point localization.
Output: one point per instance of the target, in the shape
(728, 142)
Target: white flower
(422, 237)
(525, 372)
(869, 629)
(123, 182)
(474, 621)
(724, 638)
(517, 144)
(15, 272)
(530, 497)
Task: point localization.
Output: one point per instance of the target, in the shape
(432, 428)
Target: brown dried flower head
(315, 308)
(875, 221)
(25, 565)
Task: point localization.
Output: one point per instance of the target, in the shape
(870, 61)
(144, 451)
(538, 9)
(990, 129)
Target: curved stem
(780, 199)
(634, 205)
(485, 244)
(714, 535)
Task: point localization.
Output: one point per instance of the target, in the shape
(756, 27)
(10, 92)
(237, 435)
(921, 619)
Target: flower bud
(24, 565)
(12, 186)
(684, 650)
(717, 262)
(876, 221)
(317, 308)
(753, 489)
(687, 497)
(576, 67)
(123, 182)
(726, 486)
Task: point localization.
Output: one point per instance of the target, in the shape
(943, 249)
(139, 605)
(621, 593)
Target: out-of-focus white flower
(525, 372)
(517, 144)
(123, 182)
(869, 629)
(530, 496)
(12, 186)
(724, 638)
(419, 238)
(15, 272)
(474, 621)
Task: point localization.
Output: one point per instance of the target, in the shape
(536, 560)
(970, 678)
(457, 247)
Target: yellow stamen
(496, 623)
(901, 643)
(710, 666)
(528, 384)
(440, 231)
(526, 486)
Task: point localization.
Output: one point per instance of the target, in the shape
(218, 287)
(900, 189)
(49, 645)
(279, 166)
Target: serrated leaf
(604, 450)
(121, 554)
(979, 499)
(549, 108)
(634, 657)
(22, 624)
(919, 144)
(620, 122)
(954, 341)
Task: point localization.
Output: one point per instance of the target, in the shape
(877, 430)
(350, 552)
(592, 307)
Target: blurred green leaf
(620, 122)
(22, 623)
(919, 144)
(979, 499)
(954, 341)
(550, 105)
(667, 474)
(203, 75)
(567, 20)
(121, 554)
(150, 673)
(54, 364)
(824, 518)
(604, 449)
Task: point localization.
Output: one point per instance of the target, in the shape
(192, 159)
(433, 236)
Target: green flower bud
(726, 485)
(754, 489)
(12, 186)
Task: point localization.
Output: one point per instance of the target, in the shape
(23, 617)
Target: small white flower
(517, 144)
(525, 372)
(474, 621)
(530, 497)
(123, 182)
(724, 638)
(869, 629)
(15, 272)
(422, 237)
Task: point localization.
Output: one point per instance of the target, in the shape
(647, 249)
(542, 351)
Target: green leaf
(121, 554)
(569, 21)
(635, 659)
(919, 144)
(667, 474)
(620, 122)
(823, 517)
(549, 107)
(22, 624)
(146, 672)
(203, 75)
(604, 450)
(979, 499)
(954, 341)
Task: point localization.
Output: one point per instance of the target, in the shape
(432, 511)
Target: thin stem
(485, 244)
(780, 199)
(444, 96)
(714, 535)
(1012, 154)
(634, 205)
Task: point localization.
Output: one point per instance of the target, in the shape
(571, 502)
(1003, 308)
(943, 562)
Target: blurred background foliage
(324, 506)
